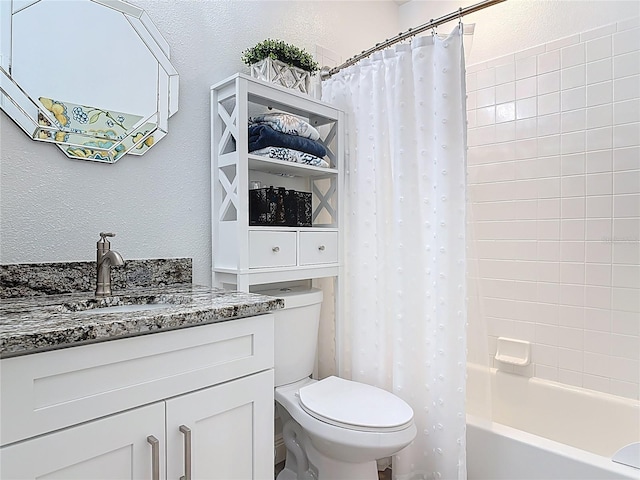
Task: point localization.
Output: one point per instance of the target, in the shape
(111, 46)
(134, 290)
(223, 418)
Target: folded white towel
(289, 155)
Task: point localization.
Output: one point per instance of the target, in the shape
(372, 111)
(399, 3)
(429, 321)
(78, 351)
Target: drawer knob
(321, 248)
(275, 249)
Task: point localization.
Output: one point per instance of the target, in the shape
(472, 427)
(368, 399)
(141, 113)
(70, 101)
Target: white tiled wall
(554, 205)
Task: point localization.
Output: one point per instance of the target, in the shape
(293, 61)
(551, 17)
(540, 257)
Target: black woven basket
(269, 206)
(298, 209)
(263, 207)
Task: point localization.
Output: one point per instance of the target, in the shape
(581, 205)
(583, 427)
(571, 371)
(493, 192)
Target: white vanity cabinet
(193, 403)
(114, 447)
(245, 254)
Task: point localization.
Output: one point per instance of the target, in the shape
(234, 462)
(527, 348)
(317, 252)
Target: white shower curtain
(403, 324)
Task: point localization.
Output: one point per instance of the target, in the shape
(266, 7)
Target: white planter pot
(280, 73)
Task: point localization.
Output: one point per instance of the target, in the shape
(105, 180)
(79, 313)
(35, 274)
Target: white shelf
(277, 228)
(270, 270)
(280, 167)
(271, 275)
(237, 245)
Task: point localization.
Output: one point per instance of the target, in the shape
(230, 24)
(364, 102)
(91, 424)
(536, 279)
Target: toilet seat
(355, 406)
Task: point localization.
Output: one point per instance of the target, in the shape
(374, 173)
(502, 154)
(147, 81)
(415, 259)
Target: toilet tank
(296, 332)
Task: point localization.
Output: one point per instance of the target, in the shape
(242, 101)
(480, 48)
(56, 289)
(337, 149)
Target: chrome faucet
(106, 258)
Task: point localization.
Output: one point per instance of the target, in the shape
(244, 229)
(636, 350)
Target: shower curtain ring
(433, 29)
(460, 19)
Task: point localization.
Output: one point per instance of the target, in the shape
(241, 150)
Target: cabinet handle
(275, 249)
(187, 452)
(321, 248)
(155, 457)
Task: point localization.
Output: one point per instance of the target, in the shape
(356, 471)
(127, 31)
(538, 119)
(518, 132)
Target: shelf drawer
(272, 249)
(318, 247)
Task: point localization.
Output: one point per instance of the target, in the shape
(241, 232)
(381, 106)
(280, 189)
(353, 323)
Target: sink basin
(125, 308)
(124, 304)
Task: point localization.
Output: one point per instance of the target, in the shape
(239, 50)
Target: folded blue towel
(261, 136)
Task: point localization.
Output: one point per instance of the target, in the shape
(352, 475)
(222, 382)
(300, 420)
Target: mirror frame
(37, 122)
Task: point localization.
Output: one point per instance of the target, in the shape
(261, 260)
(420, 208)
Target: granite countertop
(48, 322)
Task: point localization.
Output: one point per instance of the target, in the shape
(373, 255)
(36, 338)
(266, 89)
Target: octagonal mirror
(92, 77)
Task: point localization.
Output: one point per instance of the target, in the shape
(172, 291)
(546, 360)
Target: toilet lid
(355, 405)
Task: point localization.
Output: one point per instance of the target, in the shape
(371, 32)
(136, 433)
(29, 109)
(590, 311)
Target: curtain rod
(326, 72)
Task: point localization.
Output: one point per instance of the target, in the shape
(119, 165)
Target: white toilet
(333, 429)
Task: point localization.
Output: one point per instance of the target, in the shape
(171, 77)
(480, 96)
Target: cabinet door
(231, 430)
(111, 448)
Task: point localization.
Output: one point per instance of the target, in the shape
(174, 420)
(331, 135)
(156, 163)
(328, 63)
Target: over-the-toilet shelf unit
(246, 255)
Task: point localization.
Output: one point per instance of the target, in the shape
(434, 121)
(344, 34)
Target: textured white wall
(52, 208)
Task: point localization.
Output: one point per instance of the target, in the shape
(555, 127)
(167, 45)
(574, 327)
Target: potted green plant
(281, 63)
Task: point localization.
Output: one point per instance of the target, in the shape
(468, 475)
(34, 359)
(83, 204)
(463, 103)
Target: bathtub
(543, 430)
